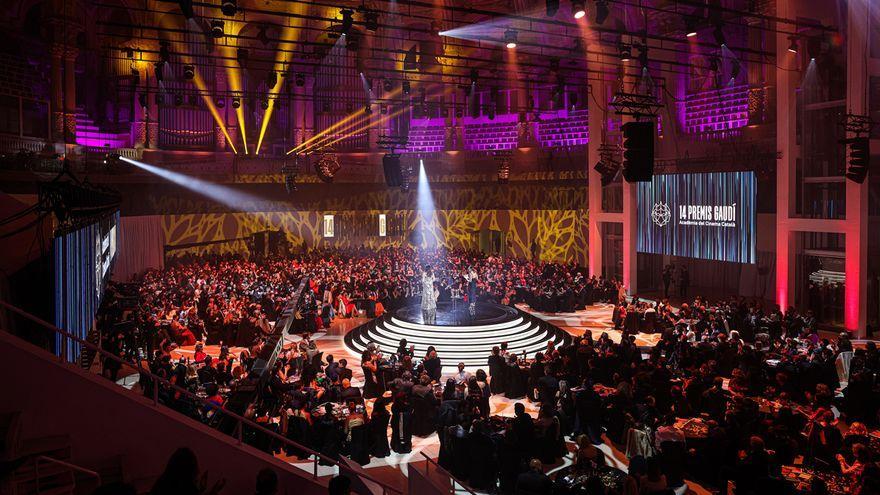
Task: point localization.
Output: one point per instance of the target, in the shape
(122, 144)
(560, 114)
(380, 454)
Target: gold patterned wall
(558, 235)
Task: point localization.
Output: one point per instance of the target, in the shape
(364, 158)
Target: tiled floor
(394, 468)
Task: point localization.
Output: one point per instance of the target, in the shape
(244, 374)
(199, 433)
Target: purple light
(484, 134)
(720, 111)
(564, 128)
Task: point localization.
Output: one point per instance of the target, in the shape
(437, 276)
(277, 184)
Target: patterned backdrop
(559, 235)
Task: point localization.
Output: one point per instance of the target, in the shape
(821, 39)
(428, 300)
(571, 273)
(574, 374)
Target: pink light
(851, 293)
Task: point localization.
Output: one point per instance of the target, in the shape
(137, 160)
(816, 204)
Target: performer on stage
(472, 291)
(429, 301)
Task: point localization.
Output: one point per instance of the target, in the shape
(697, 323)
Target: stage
(457, 336)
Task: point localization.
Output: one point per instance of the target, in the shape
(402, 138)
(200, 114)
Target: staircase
(89, 134)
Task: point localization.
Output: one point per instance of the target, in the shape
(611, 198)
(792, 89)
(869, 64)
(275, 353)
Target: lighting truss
(634, 104)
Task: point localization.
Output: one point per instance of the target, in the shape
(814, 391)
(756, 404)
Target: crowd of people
(732, 392)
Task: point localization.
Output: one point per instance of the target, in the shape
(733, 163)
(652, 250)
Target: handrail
(447, 473)
(68, 465)
(242, 421)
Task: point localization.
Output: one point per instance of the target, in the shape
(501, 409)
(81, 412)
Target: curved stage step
(456, 336)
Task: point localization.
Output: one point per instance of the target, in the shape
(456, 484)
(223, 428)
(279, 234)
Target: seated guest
(432, 364)
(534, 481)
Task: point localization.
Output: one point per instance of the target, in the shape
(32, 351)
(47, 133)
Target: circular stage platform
(456, 335)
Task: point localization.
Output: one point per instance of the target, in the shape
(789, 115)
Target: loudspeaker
(391, 164)
(638, 151)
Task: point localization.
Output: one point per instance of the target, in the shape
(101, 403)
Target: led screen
(709, 216)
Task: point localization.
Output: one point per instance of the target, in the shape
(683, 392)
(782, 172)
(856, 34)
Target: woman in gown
(401, 425)
(379, 429)
(369, 367)
(429, 302)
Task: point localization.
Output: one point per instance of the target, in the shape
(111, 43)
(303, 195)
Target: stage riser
(469, 342)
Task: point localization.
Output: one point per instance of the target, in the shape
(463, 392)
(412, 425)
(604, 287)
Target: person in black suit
(524, 429)
(534, 481)
(497, 367)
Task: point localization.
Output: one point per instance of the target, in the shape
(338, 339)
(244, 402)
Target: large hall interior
(387, 247)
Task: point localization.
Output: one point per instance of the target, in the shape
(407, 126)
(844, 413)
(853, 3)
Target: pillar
(855, 308)
(786, 145)
(594, 185)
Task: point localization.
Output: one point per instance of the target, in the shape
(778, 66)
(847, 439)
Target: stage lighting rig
(387, 86)
(229, 8)
(510, 38)
(327, 166)
(792, 44)
(578, 8)
(186, 8)
(371, 20)
(189, 72)
(602, 11)
(236, 103)
(347, 20)
(289, 171)
(220, 102)
(264, 103)
(718, 33)
(158, 69)
(300, 79)
(405, 87)
(178, 100)
(216, 28)
(552, 7)
(164, 52)
(271, 79)
(625, 53)
(690, 26)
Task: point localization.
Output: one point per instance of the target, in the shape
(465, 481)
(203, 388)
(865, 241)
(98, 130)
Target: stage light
(189, 72)
(690, 26)
(220, 103)
(217, 28)
(264, 103)
(367, 109)
(734, 71)
(347, 20)
(142, 100)
(157, 69)
(164, 52)
(300, 79)
(714, 64)
(186, 7)
(178, 100)
(371, 20)
(793, 45)
(387, 85)
(718, 33)
(405, 87)
(474, 76)
(352, 42)
(510, 38)
(602, 11)
(578, 8)
(129, 53)
(552, 7)
(228, 7)
(236, 103)
(625, 53)
(271, 79)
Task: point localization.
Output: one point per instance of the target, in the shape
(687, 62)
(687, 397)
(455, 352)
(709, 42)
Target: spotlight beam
(228, 196)
(345, 121)
(234, 76)
(380, 121)
(203, 89)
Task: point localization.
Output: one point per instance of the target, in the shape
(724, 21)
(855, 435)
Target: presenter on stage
(471, 278)
(429, 301)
